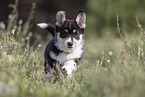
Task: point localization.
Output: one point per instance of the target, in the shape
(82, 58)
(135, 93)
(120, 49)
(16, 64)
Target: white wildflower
(27, 38)
(25, 50)
(110, 53)
(10, 16)
(2, 25)
(108, 61)
(13, 31)
(20, 21)
(39, 45)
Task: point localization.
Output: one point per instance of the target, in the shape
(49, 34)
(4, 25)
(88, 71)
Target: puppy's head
(70, 32)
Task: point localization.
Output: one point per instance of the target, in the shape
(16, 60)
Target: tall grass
(111, 67)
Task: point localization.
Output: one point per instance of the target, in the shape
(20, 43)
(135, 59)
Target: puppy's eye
(64, 33)
(76, 35)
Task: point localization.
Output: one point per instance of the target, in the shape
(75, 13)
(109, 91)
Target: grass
(111, 66)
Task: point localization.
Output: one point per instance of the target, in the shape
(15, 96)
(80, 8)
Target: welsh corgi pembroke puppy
(66, 47)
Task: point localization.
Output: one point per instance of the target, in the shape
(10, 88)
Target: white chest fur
(67, 59)
(64, 56)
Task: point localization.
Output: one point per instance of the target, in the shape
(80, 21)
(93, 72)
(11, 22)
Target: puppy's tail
(49, 27)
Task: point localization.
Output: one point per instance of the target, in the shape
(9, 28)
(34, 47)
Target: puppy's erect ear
(60, 18)
(81, 19)
(49, 27)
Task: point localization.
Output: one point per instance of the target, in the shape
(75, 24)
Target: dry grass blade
(127, 48)
(60, 73)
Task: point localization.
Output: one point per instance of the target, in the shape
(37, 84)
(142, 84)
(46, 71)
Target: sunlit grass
(21, 71)
(110, 67)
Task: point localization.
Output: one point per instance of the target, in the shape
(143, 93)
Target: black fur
(51, 47)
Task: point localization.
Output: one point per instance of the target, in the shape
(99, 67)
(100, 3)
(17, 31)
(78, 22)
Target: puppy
(66, 47)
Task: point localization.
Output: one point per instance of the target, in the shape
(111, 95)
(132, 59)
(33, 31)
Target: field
(108, 69)
(112, 66)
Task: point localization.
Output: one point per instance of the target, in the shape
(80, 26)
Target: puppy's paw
(69, 67)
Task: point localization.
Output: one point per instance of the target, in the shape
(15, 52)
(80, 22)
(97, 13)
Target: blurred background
(101, 14)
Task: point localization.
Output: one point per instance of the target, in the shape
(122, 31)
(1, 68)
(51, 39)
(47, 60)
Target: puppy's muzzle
(70, 44)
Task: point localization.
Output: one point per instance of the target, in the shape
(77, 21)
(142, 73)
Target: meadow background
(113, 63)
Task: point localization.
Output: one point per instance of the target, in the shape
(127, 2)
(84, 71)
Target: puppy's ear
(81, 19)
(49, 27)
(60, 18)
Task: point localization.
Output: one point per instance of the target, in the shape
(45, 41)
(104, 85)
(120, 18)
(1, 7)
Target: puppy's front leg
(70, 66)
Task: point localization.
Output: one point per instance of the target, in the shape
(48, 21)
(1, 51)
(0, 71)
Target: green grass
(21, 70)
(111, 66)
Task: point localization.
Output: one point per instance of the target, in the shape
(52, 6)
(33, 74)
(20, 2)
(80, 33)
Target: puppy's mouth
(70, 47)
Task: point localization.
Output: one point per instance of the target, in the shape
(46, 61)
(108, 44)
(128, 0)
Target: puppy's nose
(70, 44)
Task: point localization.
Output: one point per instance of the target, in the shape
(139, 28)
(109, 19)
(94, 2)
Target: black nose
(70, 44)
